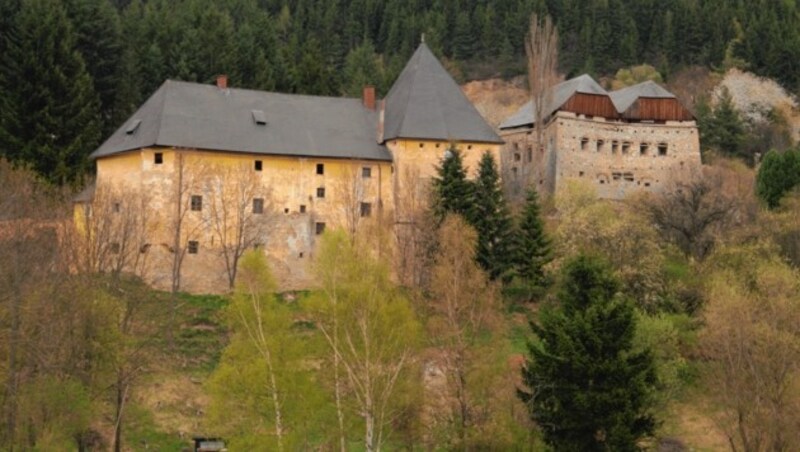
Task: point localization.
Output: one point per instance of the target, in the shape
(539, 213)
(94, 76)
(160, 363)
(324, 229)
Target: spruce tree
(533, 248)
(451, 190)
(587, 389)
(777, 175)
(490, 217)
(49, 114)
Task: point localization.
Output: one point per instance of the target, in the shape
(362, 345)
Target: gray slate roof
(199, 116)
(561, 94)
(625, 97)
(426, 103)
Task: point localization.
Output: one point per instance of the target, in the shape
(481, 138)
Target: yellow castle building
(201, 173)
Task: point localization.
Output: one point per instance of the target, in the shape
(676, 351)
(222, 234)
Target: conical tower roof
(426, 103)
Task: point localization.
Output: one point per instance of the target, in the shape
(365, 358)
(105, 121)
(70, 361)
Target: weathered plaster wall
(294, 208)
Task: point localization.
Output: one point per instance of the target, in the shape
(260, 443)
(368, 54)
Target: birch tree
(371, 332)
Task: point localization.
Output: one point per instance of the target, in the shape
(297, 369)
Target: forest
(81, 67)
(666, 321)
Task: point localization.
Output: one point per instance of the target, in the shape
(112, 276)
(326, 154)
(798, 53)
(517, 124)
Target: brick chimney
(368, 97)
(222, 81)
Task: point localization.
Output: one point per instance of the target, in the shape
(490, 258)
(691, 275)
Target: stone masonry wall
(617, 158)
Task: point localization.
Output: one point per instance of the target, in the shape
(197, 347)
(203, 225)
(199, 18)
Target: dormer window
(259, 118)
(133, 127)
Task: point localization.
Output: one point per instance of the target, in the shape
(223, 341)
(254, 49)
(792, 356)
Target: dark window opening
(144, 248)
(628, 177)
(321, 192)
(366, 172)
(644, 148)
(194, 246)
(116, 207)
(600, 145)
(259, 165)
(626, 147)
(302, 208)
(514, 172)
(158, 158)
(614, 147)
(258, 205)
(197, 203)
(517, 157)
(662, 149)
(647, 184)
(301, 254)
(421, 145)
(584, 143)
(469, 147)
(320, 168)
(286, 210)
(366, 209)
(580, 173)
(320, 228)
(616, 176)
(114, 248)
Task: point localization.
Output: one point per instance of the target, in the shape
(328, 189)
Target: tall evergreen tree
(98, 34)
(587, 388)
(452, 191)
(50, 114)
(533, 248)
(490, 217)
(778, 174)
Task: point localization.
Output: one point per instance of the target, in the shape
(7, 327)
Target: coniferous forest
(82, 66)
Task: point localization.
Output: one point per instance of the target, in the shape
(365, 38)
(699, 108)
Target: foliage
(630, 76)
(452, 192)
(752, 342)
(587, 386)
(721, 127)
(49, 116)
(261, 389)
(778, 174)
(533, 247)
(490, 217)
(370, 330)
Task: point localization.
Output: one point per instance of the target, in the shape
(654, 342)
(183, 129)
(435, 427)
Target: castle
(639, 138)
(201, 172)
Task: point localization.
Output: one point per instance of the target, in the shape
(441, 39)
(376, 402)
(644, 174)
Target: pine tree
(778, 174)
(452, 192)
(490, 217)
(726, 132)
(49, 117)
(99, 40)
(361, 68)
(587, 388)
(533, 248)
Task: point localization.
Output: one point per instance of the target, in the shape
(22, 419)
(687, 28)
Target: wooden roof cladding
(590, 105)
(657, 109)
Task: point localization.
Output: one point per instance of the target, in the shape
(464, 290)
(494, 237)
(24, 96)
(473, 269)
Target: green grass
(141, 432)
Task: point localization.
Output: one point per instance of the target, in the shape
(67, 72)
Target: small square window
(116, 207)
(366, 209)
(321, 192)
(626, 147)
(302, 208)
(259, 165)
(584, 143)
(662, 149)
(614, 147)
(517, 157)
(193, 247)
(469, 147)
(366, 172)
(421, 145)
(644, 148)
(580, 173)
(258, 205)
(158, 158)
(320, 168)
(301, 255)
(197, 203)
(320, 228)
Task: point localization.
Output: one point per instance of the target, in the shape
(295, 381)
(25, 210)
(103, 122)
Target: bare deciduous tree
(541, 49)
(692, 213)
(241, 213)
(463, 307)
